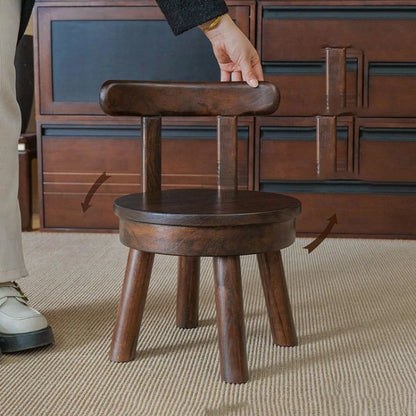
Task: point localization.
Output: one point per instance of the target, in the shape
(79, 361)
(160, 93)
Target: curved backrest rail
(140, 98)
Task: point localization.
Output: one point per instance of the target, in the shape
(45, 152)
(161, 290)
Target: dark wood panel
(199, 158)
(85, 178)
(276, 160)
(392, 95)
(303, 93)
(125, 183)
(382, 38)
(65, 211)
(383, 161)
(288, 148)
(387, 150)
(110, 186)
(358, 214)
(186, 162)
(71, 154)
(25, 190)
(300, 95)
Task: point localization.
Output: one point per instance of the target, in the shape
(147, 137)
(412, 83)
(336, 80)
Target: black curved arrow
(85, 205)
(315, 243)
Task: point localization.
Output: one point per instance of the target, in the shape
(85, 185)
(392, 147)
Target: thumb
(248, 74)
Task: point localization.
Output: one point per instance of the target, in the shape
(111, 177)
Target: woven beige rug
(354, 304)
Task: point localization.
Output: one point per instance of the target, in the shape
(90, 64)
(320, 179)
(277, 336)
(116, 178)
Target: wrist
(213, 27)
(211, 24)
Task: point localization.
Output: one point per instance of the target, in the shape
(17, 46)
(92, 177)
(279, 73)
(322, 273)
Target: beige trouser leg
(11, 256)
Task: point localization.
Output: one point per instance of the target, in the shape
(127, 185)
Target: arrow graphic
(315, 243)
(85, 205)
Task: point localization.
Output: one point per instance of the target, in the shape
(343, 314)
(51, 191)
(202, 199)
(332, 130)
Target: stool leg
(131, 306)
(188, 292)
(277, 298)
(230, 319)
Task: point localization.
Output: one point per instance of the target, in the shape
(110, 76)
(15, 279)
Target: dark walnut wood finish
(230, 319)
(135, 98)
(277, 298)
(223, 223)
(213, 241)
(131, 307)
(187, 298)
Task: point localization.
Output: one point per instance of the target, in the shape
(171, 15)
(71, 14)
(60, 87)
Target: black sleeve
(183, 15)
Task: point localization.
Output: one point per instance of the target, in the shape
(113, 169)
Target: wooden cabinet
(343, 139)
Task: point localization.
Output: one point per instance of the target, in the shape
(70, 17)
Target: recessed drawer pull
(335, 80)
(338, 99)
(326, 150)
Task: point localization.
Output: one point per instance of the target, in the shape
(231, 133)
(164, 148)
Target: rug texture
(354, 305)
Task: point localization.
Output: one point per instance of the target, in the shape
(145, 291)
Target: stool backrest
(152, 100)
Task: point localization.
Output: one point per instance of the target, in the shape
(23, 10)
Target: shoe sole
(26, 341)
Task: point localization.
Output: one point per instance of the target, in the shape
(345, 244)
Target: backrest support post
(151, 154)
(227, 152)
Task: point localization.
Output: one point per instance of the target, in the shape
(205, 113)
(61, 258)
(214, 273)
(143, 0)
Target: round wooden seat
(207, 207)
(207, 222)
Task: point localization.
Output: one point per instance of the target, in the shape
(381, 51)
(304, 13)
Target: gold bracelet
(213, 24)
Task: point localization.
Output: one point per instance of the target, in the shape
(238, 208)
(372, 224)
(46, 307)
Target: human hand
(236, 56)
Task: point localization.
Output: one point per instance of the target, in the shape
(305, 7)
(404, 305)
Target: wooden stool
(223, 223)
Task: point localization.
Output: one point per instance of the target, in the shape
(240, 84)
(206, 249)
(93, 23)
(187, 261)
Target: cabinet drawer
(74, 157)
(302, 86)
(287, 147)
(81, 46)
(392, 89)
(362, 209)
(380, 64)
(189, 153)
(387, 150)
(300, 32)
(63, 210)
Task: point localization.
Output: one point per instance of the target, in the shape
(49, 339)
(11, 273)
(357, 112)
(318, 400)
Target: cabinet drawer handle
(326, 142)
(337, 99)
(335, 80)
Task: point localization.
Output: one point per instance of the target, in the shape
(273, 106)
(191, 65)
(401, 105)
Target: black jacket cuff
(183, 15)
